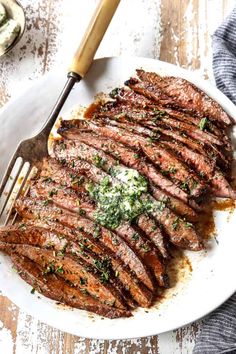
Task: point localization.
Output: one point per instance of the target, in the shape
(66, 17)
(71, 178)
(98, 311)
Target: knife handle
(97, 27)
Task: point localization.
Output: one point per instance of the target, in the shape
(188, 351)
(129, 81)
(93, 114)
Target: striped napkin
(218, 333)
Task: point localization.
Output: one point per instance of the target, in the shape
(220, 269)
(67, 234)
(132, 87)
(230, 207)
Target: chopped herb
(62, 145)
(203, 123)
(145, 247)
(45, 202)
(172, 170)
(114, 92)
(49, 269)
(52, 192)
(48, 179)
(22, 226)
(63, 162)
(118, 116)
(99, 161)
(149, 140)
(32, 291)
(184, 186)
(194, 184)
(175, 224)
(82, 212)
(135, 236)
(72, 163)
(60, 270)
(114, 239)
(188, 225)
(154, 227)
(136, 156)
(104, 267)
(82, 281)
(96, 231)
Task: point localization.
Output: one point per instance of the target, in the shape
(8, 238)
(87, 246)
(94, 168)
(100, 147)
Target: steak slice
(71, 271)
(175, 204)
(154, 115)
(32, 209)
(186, 95)
(55, 288)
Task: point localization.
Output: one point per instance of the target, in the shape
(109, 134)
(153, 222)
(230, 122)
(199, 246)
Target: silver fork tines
(29, 153)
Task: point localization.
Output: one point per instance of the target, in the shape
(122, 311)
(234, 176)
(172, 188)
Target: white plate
(212, 280)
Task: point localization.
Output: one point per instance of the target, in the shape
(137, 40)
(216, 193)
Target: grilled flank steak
(119, 190)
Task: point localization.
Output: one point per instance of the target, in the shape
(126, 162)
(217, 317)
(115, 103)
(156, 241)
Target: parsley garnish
(203, 123)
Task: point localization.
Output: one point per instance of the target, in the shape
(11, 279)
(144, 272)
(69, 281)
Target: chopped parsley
(52, 192)
(104, 267)
(96, 231)
(114, 92)
(203, 123)
(83, 281)
(60, 270)
(184, 186)
(175, 224)
(99, 161)
(135, 236)
(145, 248)
(188, 225)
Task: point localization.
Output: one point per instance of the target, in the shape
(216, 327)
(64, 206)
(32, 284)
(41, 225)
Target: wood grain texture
(177, 31)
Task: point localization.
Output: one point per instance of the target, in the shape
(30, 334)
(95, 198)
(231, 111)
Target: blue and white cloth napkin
(218, 333)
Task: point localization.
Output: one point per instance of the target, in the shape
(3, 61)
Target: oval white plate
(211, 281)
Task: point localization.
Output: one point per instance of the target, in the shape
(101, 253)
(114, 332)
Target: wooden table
(177, 31)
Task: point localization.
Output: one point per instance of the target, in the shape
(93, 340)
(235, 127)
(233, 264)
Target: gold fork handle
(97, 27)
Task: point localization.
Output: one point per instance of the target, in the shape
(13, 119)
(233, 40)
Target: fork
(31, 151)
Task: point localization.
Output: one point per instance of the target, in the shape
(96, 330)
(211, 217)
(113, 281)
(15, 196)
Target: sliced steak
(183, 235)
(142, 246)
(186, 95)
(32, 209)
(51, 239)
(91, 234)
(117, 135)
(71, 271)
(146, 224)
(55, 288)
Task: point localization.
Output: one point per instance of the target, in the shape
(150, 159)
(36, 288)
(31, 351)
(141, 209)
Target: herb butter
(120, 201)
(9, 30)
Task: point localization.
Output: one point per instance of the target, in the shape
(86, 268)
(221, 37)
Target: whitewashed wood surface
(177, 31)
